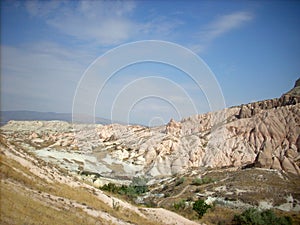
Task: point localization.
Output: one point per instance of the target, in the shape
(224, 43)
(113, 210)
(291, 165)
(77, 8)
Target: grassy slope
(20, 206)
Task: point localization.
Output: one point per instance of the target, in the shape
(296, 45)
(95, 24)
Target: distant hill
(6, 116)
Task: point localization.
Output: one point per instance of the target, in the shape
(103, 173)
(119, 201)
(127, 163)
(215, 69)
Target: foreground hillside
(35, 192)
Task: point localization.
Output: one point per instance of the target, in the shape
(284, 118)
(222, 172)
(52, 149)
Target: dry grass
(17, 207)
(219, 215)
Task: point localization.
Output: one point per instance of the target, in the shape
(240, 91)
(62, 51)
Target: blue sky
(252, 48)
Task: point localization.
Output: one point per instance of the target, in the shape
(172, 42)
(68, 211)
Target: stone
(276, 164)
(288, 166)
(264, 158)
(291, 154)
(99, 183)
(245, 112)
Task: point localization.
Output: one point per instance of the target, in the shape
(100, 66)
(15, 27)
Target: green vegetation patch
(136, 188)
(180, 181)
(200, 207)
(253, 216)
(204, 180)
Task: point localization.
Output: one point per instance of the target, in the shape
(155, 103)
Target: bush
(167, 195)
(139, 184)
(204, 180)
(180, 181)
(197, 181)
(253, 216)
(200, 207)
(137, 187)
(110, 188)
(179, 205)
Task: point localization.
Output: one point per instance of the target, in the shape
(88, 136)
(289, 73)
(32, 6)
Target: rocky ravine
(264, 134)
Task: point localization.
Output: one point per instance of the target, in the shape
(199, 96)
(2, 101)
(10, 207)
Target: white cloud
(219, 27)
(41, 8)
(102, 29)
(161, 26)
(102, 22)
(226, 23)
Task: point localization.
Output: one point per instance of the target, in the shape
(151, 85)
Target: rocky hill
(263, 134)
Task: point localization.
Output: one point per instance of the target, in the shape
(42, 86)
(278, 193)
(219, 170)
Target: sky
(55, 56)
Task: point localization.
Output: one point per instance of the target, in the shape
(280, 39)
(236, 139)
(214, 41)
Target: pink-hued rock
(265, 133)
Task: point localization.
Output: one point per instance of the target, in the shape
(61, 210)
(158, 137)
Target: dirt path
(175, 196)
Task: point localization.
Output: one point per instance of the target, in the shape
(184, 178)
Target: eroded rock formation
(265, 134)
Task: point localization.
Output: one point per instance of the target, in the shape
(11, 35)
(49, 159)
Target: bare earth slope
(34, 192)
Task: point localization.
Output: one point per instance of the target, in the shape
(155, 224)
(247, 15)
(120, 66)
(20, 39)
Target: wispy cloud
(220, 26)
(102, 22)
(41, 8)
(225, 24)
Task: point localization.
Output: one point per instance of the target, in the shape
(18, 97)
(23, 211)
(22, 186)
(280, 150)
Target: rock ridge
(263, 134)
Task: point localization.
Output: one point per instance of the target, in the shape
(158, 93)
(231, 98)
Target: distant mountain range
(6, 116)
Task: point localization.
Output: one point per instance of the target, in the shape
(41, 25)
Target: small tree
(139, 185)
(200, 207)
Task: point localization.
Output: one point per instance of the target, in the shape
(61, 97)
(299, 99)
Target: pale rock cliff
(264, 134)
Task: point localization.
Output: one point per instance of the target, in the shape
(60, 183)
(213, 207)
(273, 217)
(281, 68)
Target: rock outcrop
(264, 158)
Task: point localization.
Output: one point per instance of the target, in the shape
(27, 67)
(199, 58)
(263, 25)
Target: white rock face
(265, 134)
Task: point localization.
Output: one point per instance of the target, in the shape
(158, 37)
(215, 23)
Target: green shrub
(253, 216)
(179, 205)
(197, 181)
(110, 188)
(200, 207)
(180, 181)
(137, 187)
(139, 184)
(167, 195)
(204, 180)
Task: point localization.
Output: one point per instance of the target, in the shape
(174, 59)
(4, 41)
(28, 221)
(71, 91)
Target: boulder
(276, 164)
(245, 112)
(264, 158)
(288, 166)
